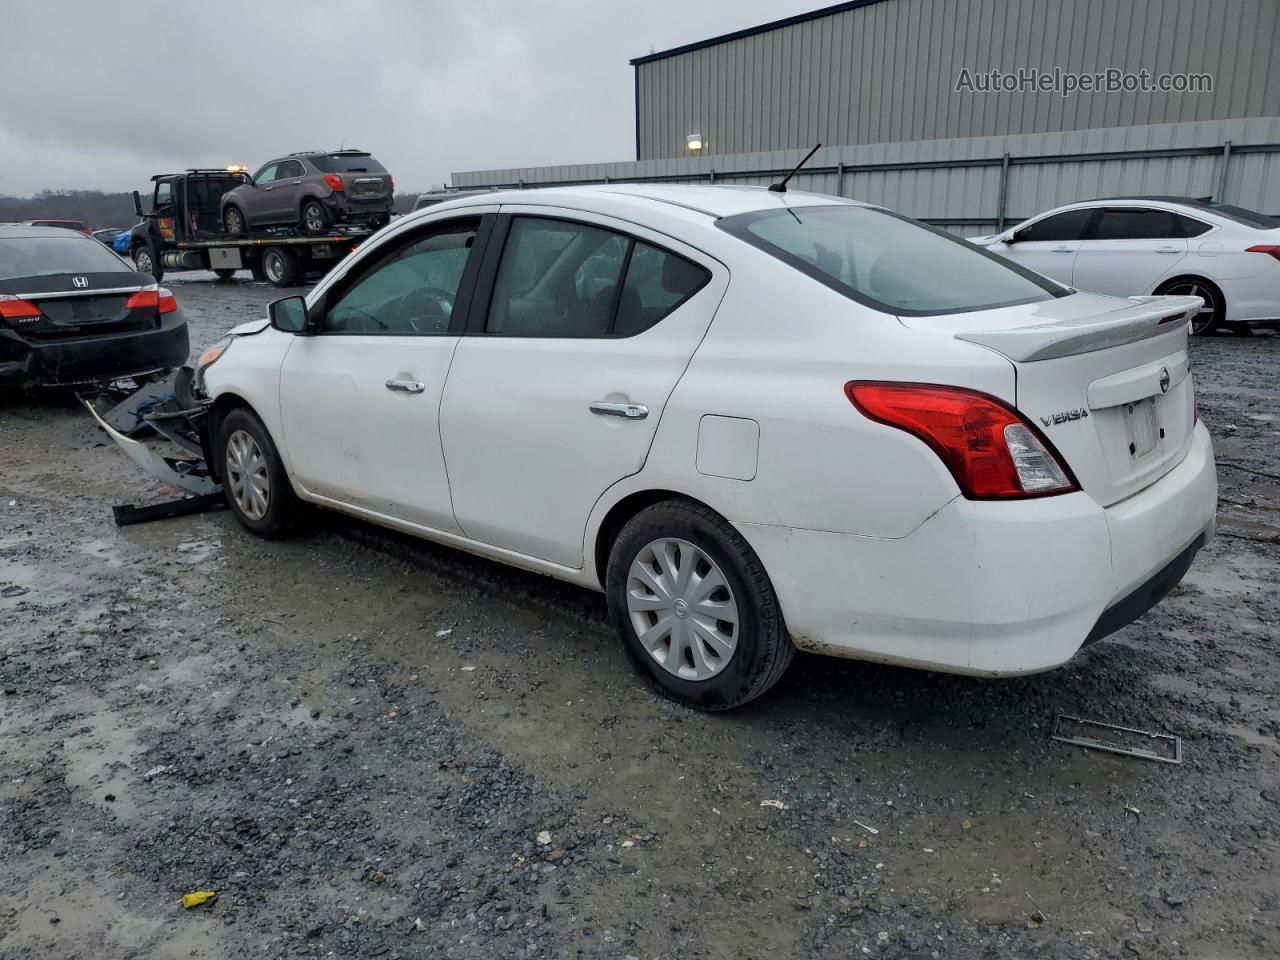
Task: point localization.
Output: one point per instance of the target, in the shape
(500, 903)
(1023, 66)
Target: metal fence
(979, 185)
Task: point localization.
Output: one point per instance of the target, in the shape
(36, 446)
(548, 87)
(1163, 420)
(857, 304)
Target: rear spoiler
(1148, 317)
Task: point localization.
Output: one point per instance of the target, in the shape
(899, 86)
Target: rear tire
(710, 592)
(280, 267)
(233, 221)
(146, 260)
(1215, 305)
(254, 479)
(314, 218)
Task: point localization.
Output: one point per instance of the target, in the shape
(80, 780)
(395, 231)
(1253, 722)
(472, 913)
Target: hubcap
(313, 219)
(1205, 313)
(143, 262)
(274, 267)
(247, 475)
(682, 609)
(233, 222)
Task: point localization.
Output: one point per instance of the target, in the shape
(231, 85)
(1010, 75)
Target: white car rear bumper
(988, 587)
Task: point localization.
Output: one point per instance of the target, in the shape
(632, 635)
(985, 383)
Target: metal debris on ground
(773, 803)
(127, 514)
(1142, 744)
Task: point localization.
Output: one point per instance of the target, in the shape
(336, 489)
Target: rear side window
(50, 256)
(563, 279)
(1190, 227)
(889, 262)
(347, 163)
(1068, 225)
(1137, 223)
(658, 281)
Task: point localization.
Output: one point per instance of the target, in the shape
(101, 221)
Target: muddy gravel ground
(374, 747)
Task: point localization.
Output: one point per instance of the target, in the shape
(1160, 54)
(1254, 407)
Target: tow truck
(183, 231)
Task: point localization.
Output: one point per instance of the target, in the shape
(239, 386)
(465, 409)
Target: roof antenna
(781, 185)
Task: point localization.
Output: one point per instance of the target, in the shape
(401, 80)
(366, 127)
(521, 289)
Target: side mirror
(1010, 237)
(137, 203)
(289, 315)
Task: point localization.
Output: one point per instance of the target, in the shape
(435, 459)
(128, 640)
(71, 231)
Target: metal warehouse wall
(886, 70)
(975, 185)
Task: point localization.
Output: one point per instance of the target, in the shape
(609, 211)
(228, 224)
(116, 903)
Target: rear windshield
(47, 256)
(890, 262)
(347, 163)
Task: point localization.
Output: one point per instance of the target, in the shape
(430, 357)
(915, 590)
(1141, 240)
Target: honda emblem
(79, 282)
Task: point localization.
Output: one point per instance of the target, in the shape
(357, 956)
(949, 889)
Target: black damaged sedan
(71, 312)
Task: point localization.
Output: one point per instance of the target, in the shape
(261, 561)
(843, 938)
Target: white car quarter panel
(728, 447)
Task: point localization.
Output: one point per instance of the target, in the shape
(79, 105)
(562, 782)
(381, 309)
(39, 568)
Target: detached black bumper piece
(93, 358)
(1123, 612)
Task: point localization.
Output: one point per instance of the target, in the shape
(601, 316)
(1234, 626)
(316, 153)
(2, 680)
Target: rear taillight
(334, 181)
(1270, 249)
(991, 450)
(15, 308)
(158, 297)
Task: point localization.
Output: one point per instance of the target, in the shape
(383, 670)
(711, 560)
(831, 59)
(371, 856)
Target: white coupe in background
(755, 420)
(1227, 256)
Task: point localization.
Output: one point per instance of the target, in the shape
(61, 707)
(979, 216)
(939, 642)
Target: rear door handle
(1063, 249)
(406, 386)
(1166, 249)
(630, 411)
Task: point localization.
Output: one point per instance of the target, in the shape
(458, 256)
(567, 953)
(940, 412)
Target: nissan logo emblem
(79, 282)
(1164, 379)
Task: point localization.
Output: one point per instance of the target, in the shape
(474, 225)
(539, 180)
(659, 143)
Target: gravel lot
(373, 747)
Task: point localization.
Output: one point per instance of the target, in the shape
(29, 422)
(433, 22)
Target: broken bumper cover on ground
(993, 588)
(92, 359)
(159, 415)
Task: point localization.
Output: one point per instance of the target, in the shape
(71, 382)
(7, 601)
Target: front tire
(224, 273)
(254, 480)
(146, 260)
(695, 607)
(1215, 304)
(315, 218)
(233, 221)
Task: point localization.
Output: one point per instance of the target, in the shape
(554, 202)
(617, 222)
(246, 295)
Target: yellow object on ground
(190, 900)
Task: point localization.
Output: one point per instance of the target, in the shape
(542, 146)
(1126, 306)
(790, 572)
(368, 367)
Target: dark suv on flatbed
(314, 191)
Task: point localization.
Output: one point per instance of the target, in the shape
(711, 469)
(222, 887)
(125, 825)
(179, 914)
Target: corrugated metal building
(875, 81)
(878, 71)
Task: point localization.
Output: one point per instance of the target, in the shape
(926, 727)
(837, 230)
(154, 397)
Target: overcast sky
(100, 95)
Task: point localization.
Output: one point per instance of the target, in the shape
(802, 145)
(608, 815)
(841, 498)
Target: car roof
(24, 231)
(715, 201)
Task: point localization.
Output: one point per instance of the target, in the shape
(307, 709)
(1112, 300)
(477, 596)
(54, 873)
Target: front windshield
(888, 261)
(49, 256)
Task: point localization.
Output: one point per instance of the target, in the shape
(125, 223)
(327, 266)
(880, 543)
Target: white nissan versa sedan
(756, 420)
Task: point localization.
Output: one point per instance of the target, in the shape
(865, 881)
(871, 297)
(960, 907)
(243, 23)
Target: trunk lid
(81, 305)
(1106, 380)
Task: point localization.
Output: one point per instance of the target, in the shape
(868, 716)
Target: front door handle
(630, 411)
(406, 386)
(1166, 249)
(1063, 249)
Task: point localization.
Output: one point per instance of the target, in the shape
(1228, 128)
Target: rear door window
(1068, 225)
(289, 170)
(559, 278)
(1137, 223)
